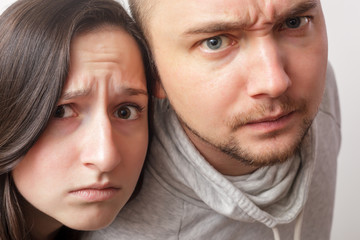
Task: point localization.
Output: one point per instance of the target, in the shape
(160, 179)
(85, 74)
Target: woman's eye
(128, 112)
(64, 111)
(295, 22)
(216, 43)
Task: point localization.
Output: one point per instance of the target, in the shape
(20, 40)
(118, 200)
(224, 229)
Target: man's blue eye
(214, 43)
(293, 22)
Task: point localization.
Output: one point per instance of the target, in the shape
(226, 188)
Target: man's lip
(270, 118)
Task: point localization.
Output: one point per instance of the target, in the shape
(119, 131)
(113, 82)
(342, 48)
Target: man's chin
(263, 153)
(261, 159)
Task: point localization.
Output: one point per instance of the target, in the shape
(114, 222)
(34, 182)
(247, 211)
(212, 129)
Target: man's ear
(159, 90)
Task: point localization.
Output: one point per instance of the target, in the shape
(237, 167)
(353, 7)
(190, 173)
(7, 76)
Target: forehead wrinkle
(79, 84)
(118, 89)
(268, 12)
(103, 59)
(261, 12)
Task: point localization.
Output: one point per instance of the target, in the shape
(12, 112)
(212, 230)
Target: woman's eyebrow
(75, 94)
(135, 91)
(72, 94)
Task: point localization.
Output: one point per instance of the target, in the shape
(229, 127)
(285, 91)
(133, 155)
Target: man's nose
(100, 150)
(267, 71)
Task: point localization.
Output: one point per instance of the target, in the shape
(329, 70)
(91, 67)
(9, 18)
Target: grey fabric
(183, 197)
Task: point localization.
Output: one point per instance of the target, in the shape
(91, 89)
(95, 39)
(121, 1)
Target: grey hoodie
(184, 197)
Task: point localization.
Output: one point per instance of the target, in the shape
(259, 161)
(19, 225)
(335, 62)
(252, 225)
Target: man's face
(245, 77)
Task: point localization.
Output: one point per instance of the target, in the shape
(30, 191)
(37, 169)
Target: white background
(344, 52)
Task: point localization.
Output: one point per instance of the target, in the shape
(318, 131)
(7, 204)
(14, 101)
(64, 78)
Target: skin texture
(248, 99)
(84, 167)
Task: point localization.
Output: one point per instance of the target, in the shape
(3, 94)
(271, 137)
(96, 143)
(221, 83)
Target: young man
(246, 141)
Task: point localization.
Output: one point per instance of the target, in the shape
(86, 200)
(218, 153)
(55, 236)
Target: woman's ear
(159, 90)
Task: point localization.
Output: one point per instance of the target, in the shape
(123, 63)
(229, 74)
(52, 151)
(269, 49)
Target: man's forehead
(190, 15)
(246, 7)
(274, 9)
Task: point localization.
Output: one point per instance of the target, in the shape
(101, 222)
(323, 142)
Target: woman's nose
(100, 150)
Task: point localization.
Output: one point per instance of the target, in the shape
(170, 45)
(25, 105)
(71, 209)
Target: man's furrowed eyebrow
(300, 8)
(217, 27)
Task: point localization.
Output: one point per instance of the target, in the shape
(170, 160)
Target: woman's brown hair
(34, 63)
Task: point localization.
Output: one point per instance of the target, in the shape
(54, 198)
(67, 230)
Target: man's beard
(235, 150)
(238, 151)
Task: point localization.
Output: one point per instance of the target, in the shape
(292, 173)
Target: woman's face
(84, 167)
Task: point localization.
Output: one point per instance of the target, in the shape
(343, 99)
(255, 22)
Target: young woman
(74, 95)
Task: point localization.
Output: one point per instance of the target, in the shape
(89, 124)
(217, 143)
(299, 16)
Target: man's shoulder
(330, 104)
(153, 213)
(328, 119)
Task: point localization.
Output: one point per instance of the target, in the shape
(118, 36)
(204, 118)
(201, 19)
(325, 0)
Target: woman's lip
(95, 194)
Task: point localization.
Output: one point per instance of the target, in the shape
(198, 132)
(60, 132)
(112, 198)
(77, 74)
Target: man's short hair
(140, 11)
